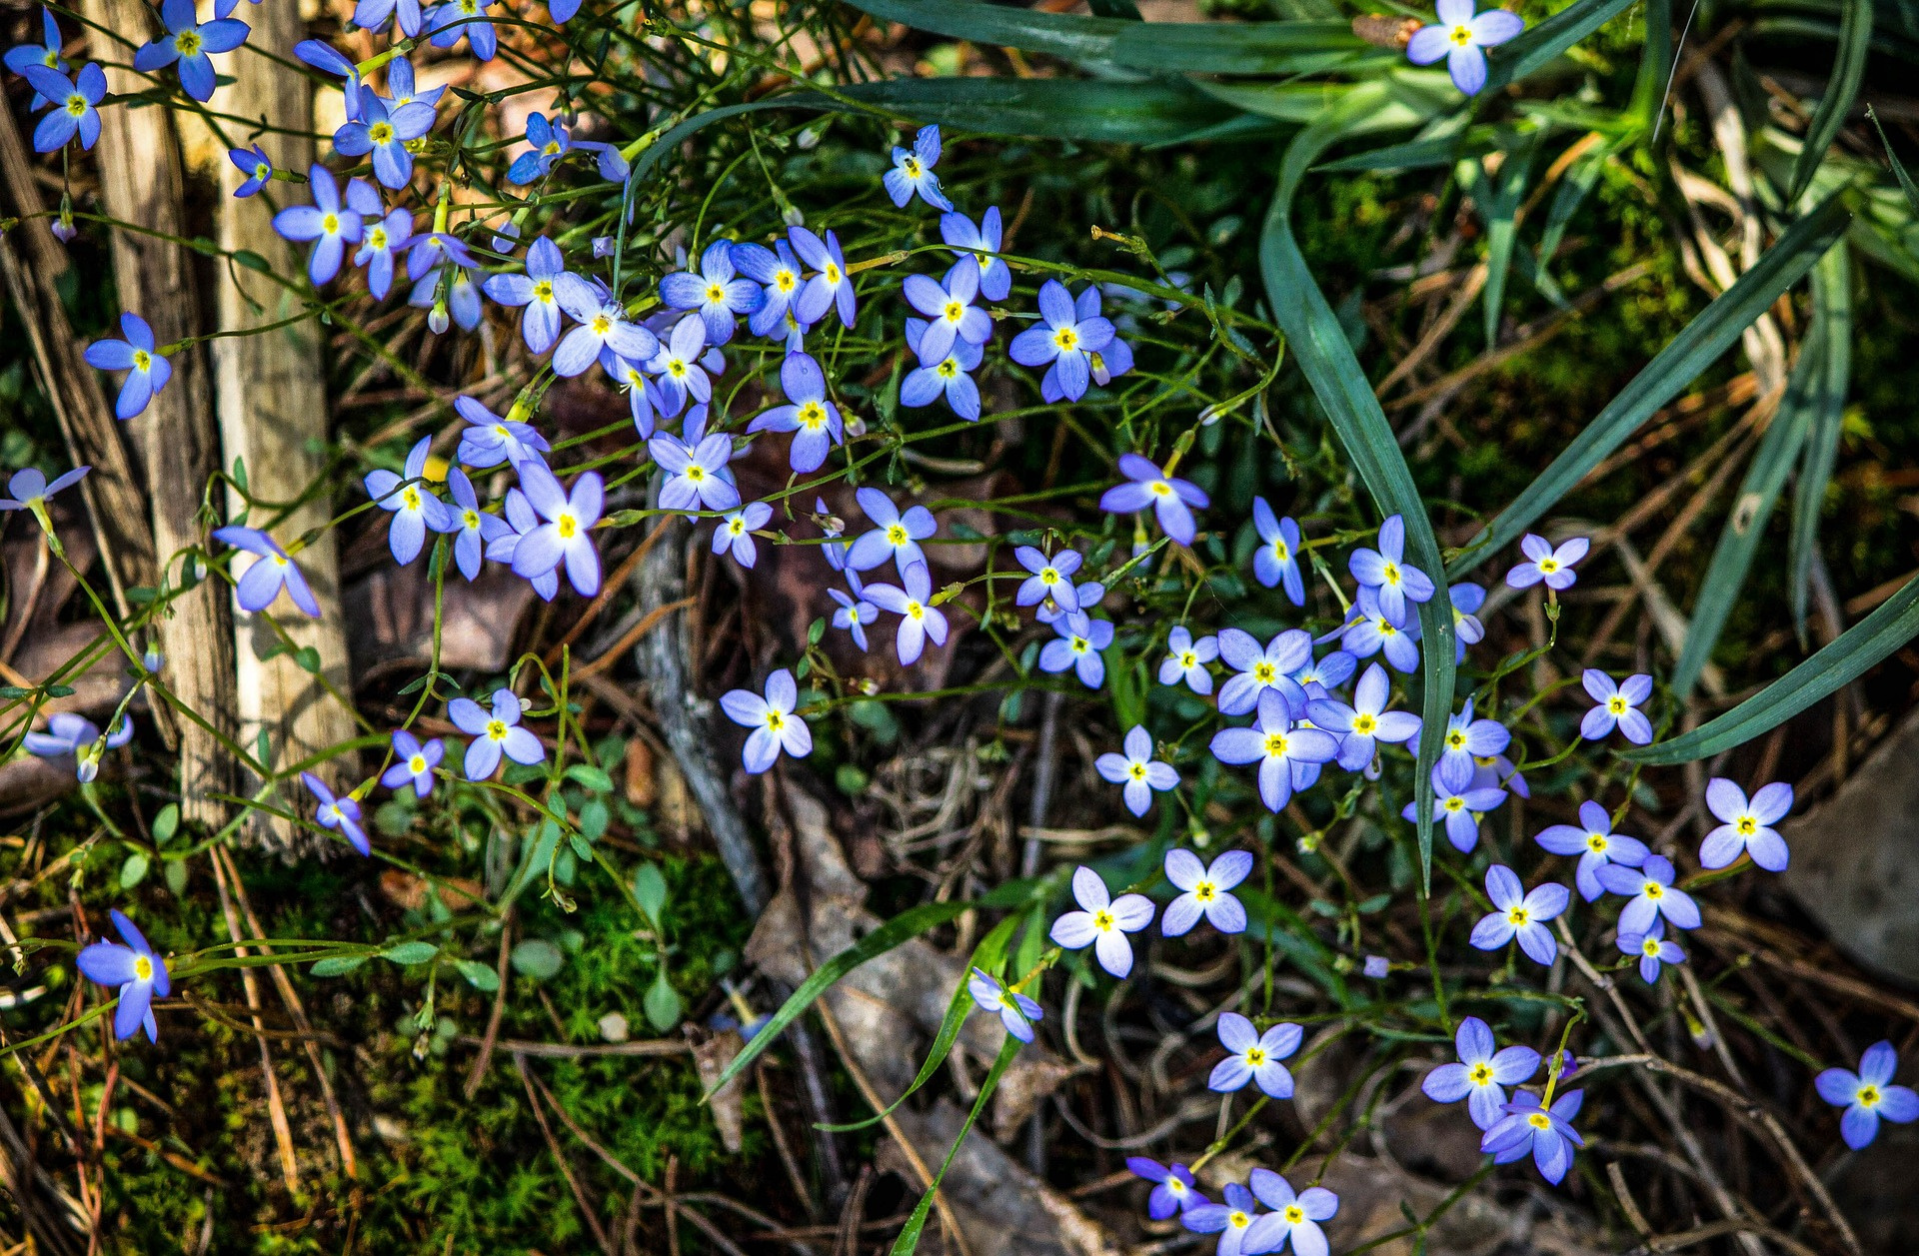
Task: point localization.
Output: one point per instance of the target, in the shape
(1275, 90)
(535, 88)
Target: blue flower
(1466, 739)
(913, 171)
(1618, 705)
(566, 536)
(1137, 772)
(401, 87)
(430, 251)
(697, 473)
(472, 527)
(490, 440)
(1547, 1133)
(603, 323)
(775, 727)
(1280, 749)
(415, 510)
(1653, 950)
(974, 244)
(1867, 1096)
(1594, 841)
(1746, 826)
(1459, 36)
(462, 297)
(947, 375)
(147, 371)
(326, 58)
(677, 365)
(950, 312)
(270, 572)
(1365, 722)
(809, 415)
(911, 601)
(1088, 594)
(68, 733)
(342, 813)
(1062, 342)
(1254, 1057)
(1545, 563)
(1395, 583)
(736, 532)
(1205, 890)
(186, 45)
(371, 15)
(44, 55)
(1102, 921)
(1259, 670)
(1230, 1219)
(1653, 894)
(1147, 486)
(494, 734)
(255, 165)
(1278, 558)
(550, 142)
(1187, 659)
(1467, 598)
(1078, 646)
(895, 535)
(521, 520)
(73, 111)
(1319, 676)
(455, 18)
(385, 133)
(855, 612)
(1294, 1218)
(1173, 1192)
(1460, 806)
(380, 237)
(1052, 577)
(1116, 357)
(136, 970)
(538, 290)
(329, 224)
(1481, 1073)
(413, 762)
(1017, 1012)
(1521, 915)
(832, 286)
(714, 293)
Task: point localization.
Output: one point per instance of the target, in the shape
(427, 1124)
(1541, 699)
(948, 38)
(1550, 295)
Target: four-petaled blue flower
(1102, 921)
(1459, 36)
(1653, 949)
(1520, 914)
(696, 473)
(1547, 1133)
(951, 314)
(812, 418)
(777, 272)
(74, 103)
(1468, 739)
(1061, 342)
(370, 15)
(1258, 670)
(1460, 804)
(1255, 1057)
(1545, 563)
(911, 600)
(913, 171)
(69, 733)
(454, 18)
(1467, 598)
(1137, 772)
(1481, 1074)
(1231, 1219)
(832, 286)
(715, 294)
(736, 532)
(1080, 640)
(255, 165)
(1368, 632)
(186, 45)
(896, 535)
(677, 365)
(1017, 1012)
(1277, 560)
(385, 133)
(1052, 577)
(1867, 1096)
(1746, 825)
(1173, 1190)
(147, 371)
(472, 528)
(331, 226)
(136, 969)
(1187, 659)
(413, 763)
(775, 727)
(45, 55)
(1282, 751)
(566, 535)
(1147, 486)
(380, 238)
(1653, 894)
(854, 612)
(1365, 722)
(490, 440)
(1205, 890)
(1617, 705)
(340, 813)
(494, 733)
(270, 572)
(1294, 1218)
(1594, 841)
(550, 142)
(603, 325)
(975, 244)
(946, 375)
(415, 509)
(1385, 571)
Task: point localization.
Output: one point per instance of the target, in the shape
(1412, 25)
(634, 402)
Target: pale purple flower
(1137, 771)
(714, 293)
(1481, 1074)
(679, 366)
(385, 132)
(1102, 921)
(735, 532)
(1319, 677)
(854, 612)
(1062, 341)
(912, 172)
(832, 286)
(1052, 577)
(341, 813)
(1467, 599)
(1230, 1219)
(1146, 486)
(951, 314)
(1466, 739)
(1277, 747)
(539, 292)
(1594, 841)
(1867, 1096)
(911, 600)
(1368, 632)
(380, 237)
(1385, 571)
(136, 969)
(778, 273)
(1617, 705)
(1017, 1012)
(976, 244)
(28, 489)
(494, 734)
(74, 99)
(328, 223)
(1747, 825)
(415, 510)
(1258, 670)
(1173, 1192)
(1205, 891)
(603, 323)
(1088, 594)
(413, 763)
(1652, 894)
(1255, 1057)
(696, 474)
(567, 535)
(69, 733)
(1365, 722)
(1521, 915)
(268, 574)
(1187, 659)
(809, 414)
(895, 535)
(1547, 1133)
(490, 440)
(1545, 563)
(1459, 36)
(1078, 646)
(1294, 1218)
(147, 371)
(775, 727)
(472, 528)
(1278, 558)
(185, 46)
(1375, 967)
(1653, 949)
(1460, 805)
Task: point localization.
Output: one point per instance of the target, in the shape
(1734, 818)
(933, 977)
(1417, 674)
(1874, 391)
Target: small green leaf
(650, 889)
(481, 976)
(337, 965)
(592, 778)
(581, 848)
(413, 953)
(537, 958)
(252, 261)
(165, 823)
(816, 631)
(662, 1003)
(176, 871)
(134, 870)
(58, 691)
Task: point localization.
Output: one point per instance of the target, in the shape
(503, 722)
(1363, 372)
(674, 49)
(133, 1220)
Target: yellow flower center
(1391, 574)
(1276, 744)
(330, 224)
(142, 360)
(1189, 660)
(1454, 804)
(1160, 488)
(1868, 1095)
(1481, 1074)
(497, 730)
(1539, 1121)
(1255, 1056)
(776, 721)
(1204, 892)
(77, 105)
(1653, 890)
(832, 272)
(1596, 843)
(696, 473)
(1066, 338)
(602, 325)
(912, 167)
(1137, 771)
(380, 133)
(1457, 740)
(1746, 826)
(1517, 916)
(1264, 673)
(947, 369)
(543, 291)
(915, 611)
(784, 281)
(1462, 36)
(953, 311)
(1238, 1219)
(410, 497)
(1364, 724)
(897, 534)
(812, 416)
(263, 171)
(567, 525)
(553, 146)
(417, 765)
(187, 43)
(142, 969)
(1650, 946)
(1549, 566)
(1617, 705)
(677, 369)
(470, 519)
(377, 238)
(1294, 1214)
(1280, 550)
(736, 526)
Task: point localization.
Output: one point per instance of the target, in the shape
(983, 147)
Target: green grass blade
(1320, 345)
(1074, 38)
(1415, 154)
(1534, 48)
(1833, 321)
(1154, 111)
(987, 956)
(910, 924)
(1849, 65)
(1697, 346)
(1575, 184)
(1501, 213)
(910, 1233)
(1899, 171)
(1752, 508)
(1656, 64)
(1891, 626)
